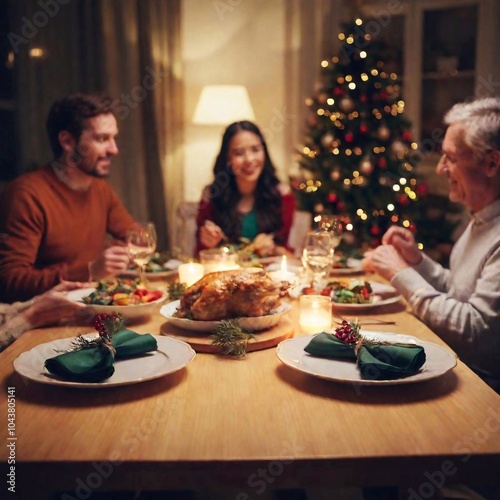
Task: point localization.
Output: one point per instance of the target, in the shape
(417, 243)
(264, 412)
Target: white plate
(291, 352)
(251, 324)
(353, 267)
(131, 312)
(172, 355)
(383, 295)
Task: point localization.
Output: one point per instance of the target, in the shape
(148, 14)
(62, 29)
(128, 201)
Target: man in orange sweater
(55, 220)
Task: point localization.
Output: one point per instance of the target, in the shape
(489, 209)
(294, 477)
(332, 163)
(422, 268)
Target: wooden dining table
(251, 424)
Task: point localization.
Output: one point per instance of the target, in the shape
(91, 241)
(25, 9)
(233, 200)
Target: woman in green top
(246, 198)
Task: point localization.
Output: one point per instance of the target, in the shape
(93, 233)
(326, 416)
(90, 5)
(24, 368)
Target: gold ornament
(327, 140)
(346, 104)
(366, 166)
(383, 132)
(335, 174)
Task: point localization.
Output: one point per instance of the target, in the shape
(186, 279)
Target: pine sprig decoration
(106, 325)
(232, 339)
(176, 290)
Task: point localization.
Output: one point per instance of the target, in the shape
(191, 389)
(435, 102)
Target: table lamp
(223, 105)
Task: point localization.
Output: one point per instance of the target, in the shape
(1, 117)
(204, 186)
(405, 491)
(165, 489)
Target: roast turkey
(231, 294)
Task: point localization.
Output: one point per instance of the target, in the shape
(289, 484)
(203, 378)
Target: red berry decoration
(348, 332)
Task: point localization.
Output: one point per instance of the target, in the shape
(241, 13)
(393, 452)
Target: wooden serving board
(201, 342)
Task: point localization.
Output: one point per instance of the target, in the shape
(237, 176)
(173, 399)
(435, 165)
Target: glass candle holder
(190, 273)
(315, 313)
(218, 259)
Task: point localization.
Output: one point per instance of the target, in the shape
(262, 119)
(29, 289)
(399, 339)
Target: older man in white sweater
(462, 304)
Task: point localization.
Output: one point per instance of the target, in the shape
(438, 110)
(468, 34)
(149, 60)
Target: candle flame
(283, 264)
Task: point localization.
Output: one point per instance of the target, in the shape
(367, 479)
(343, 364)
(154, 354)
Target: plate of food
(345, 266)
(359, 295)
(157, 267)
(291, 353)
(251, 324)
(171, 356)
(126, 296)
(250, 297)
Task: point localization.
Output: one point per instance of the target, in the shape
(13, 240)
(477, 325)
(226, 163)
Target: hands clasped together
(397, 252)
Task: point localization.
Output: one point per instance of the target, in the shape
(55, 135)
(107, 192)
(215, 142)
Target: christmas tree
(358, 159)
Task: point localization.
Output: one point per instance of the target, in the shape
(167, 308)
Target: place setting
(112, 356)
(349, 353)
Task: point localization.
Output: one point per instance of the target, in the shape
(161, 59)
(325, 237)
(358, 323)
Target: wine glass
(141, 243)
(317, 255)
(334, 227)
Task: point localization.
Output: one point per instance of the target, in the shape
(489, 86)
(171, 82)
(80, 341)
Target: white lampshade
(222, 105)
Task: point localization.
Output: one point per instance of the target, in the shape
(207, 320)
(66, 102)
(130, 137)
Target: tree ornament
(349, 137)
(398, 147)
(335, 174)
(348, 238)
(363, 98)
(346, 104)
(422, 189)
(322, 98)
(312, 119)
(403, 199)
(406, 136)
(366, 166)
(363, 128)
(383, 132)
(327, 140)
(319, 208)
(337, 91)
(375, 230)
(332, 197)
(382, 163)
(413, 227)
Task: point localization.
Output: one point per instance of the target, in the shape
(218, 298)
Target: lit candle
(315, 314)
(283, 274)
(190, 273)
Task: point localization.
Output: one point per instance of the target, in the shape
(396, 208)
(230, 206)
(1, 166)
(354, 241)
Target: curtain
(311, 28)
(131, 50)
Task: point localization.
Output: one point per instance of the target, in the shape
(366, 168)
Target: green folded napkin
(97, 363)
(375, 361)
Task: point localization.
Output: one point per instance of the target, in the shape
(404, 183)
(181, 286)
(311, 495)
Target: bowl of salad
(131, 298)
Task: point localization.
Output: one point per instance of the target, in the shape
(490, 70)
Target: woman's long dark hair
(224, 193)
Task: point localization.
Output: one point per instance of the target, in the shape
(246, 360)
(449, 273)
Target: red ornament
(332, 197)
(403, 199)
(349, 137)
(413, 227)
(383, 94)
(422, 189)
(363, 98)
(338, 91)
(363, 128)
(382, 163)
(406, 136)
(340, 206)
(375, 230)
